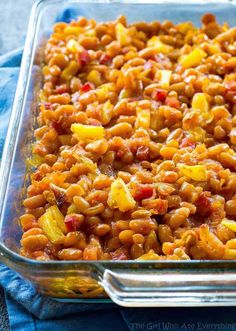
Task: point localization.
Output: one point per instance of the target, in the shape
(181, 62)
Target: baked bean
(28, 221)
(151, 242)
(89, 42)
(230, 207)
(178, 217)
(214, 247)
(174, 201)
(136, 251)
(99, 208)
(113, 243)
(34, 242)
(100, 147)
(165, 233)
(35, 201)
(70, 254)
(141, 213)
(189, 238)
(76, 239)
(101, 182)
(138, 238)
(123, 130)
(230, 254)
(122, 225)
(143, 226)
(102, 230)
(81, 203)
(62, 99)
(228, 160)
(126, 237)
(168, 152)
(168, 248)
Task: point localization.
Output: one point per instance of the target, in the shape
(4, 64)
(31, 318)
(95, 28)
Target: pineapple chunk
(193, 59)
(122, 35)
(90, 33)
(70, 71)
(195, 172)
(84, 132)
(73, 30)
(165, 76)
(143, 118)
(94, 77)
(150, 255)
(108, 87)
(72, 209)
(120, 196)
(230, 224)
(50, 226)
(35, 160)
(159, 46)
(211, 49)
(102, 92)
(73, 46)
(200, 102)
(185, 27)
(55, 213)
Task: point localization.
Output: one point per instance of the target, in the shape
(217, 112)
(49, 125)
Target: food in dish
(135, 152)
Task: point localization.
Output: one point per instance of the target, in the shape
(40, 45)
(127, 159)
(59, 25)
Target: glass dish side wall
(128, 283)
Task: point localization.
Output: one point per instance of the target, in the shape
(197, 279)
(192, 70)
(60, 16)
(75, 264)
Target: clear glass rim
(9, 147)
(17, 258)
(202, 2)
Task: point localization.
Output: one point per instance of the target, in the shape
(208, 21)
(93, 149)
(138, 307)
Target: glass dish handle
(179, 288)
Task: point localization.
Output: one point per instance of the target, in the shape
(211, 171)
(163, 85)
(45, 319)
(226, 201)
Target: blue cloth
(29, 311)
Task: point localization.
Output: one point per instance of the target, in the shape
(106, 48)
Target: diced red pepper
(142, 153)
(187, 142)
(105, 59)
(203, 205)
(159, 95)
(143, 192)
(84, 57)
(70, 224)
(172, 102)
(87, 87)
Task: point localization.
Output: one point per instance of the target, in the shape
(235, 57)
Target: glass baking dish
(129, 283)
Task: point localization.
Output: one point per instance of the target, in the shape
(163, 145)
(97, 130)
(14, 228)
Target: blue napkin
(29, 311)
